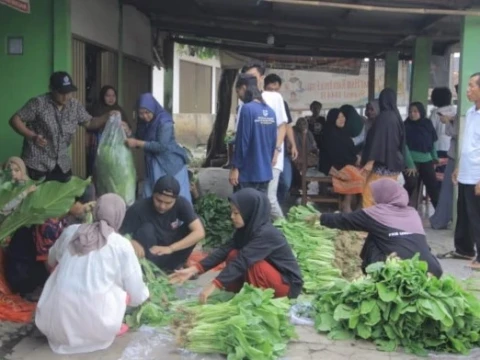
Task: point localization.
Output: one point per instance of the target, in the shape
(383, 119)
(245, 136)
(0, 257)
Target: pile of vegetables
(114, 166)
(51, 199)
(348, 246)
(252, 325)
(399, 304)
(215, 214)
(313, 246)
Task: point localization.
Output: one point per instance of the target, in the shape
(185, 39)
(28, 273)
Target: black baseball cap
(167, 185)
(62, 82)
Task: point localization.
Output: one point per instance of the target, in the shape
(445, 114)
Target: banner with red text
(301, 88)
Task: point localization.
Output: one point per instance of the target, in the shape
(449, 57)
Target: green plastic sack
(114, 166)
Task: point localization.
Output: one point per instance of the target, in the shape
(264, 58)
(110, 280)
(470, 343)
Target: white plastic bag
(114, 166)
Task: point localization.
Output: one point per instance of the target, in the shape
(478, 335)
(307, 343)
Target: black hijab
(337, 147)
(255, 209)
(385, 143)
(420, 134)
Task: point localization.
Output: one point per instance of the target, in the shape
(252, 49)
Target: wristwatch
(278, 148)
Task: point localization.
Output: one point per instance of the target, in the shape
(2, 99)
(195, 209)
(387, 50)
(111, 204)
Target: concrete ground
(26, 343)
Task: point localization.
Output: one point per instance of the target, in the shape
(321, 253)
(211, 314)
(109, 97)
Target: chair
(313, 174)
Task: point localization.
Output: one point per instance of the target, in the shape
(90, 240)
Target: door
(79, 157)
(137, 79)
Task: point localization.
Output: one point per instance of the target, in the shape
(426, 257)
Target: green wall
(47, 46)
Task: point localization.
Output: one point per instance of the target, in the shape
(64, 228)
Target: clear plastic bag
(114, 166)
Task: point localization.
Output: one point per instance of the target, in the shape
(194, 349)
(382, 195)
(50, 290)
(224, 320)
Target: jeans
(285, 181)
(272, 195)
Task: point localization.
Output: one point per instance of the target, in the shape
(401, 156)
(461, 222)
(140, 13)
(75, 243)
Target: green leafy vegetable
(313, 247)
(252, 325)
(215, 214)
(50, 200)
(399, 304)
(114, 165)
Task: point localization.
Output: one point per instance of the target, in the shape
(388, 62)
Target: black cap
(167, 185)
(62, 83)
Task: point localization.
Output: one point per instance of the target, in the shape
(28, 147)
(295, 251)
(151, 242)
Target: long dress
(84, 300)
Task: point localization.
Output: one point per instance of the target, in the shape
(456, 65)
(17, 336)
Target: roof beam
(403, 10)
(269, 50)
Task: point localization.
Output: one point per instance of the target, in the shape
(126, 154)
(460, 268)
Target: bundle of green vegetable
(252, 325)
(51, 199)
(399, 304)
(313, 246)
(114, 165)
(215, 214)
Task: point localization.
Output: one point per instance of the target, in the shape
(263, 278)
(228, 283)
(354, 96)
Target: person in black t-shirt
(164, 227)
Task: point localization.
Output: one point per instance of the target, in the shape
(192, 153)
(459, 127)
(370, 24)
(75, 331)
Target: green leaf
(342, 312)
(341, 335)
(52, 199)
(386, 294)
(364, 331)
(386, 345)
(367, 306)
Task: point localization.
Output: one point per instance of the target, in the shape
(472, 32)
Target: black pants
(146, 236)
(467, 231)
(426, 174)
(54, 175)
(260, 186)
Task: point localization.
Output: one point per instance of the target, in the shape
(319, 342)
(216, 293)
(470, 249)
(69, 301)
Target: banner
(20, 5)
(301, 88)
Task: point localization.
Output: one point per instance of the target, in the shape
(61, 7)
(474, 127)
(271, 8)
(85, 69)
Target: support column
(391, 70)
(470, 43)
(421, 70)
(371, 78)
(62, 36)
(168, 90)
(120, 53)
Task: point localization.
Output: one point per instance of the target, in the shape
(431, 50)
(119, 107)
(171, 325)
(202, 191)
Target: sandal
(123, 330)
(475, 265)
(455, 255)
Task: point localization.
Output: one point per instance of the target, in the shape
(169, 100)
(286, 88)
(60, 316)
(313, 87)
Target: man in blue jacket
(255, 139)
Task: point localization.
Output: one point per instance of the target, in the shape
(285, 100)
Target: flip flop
(475, 265)
(123, 330)
(455, 255)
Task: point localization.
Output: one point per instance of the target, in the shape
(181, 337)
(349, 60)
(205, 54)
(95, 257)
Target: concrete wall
(192, 130)
(97, 21)
(47, 47)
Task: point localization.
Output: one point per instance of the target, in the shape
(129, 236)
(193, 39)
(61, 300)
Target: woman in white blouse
(83, 303)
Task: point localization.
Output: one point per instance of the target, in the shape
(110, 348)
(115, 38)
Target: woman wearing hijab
(372, 110)
(355, 123)
(392, 227)
(83, 303)
(107, 102)
(163, 155)
(421, 138)
(383, 155)
(258, 253)
(338, 157)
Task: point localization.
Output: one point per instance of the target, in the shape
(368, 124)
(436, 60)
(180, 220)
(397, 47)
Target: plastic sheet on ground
(299, 314)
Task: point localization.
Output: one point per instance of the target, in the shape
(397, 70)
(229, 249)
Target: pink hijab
(391, 207)
(108, 214)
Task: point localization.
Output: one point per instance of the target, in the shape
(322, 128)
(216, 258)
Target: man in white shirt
(275, 101)
(467, 176)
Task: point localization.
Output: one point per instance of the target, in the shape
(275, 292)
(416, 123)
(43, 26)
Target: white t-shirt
(443, 142)
(469, 166)
(275, 101)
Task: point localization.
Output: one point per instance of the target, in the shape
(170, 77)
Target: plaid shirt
(42, 116)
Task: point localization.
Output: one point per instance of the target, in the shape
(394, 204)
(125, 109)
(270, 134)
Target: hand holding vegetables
(180, 276)
(206, 292)
(138, 248)
(161, 250)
